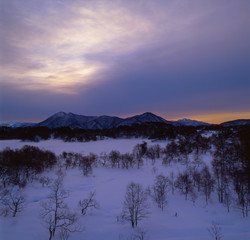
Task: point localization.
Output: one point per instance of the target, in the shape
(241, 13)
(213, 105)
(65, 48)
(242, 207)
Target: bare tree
(171, 181)
(135, 205)
(243, 197)
(115, 158)
(207, 183)
(184, 183)
(153, 152)
(127, 160)
(215, 231)
(12, 200)
(88, 203)
(55, 212)
(4, 175)
(160, 191)
(223, 159)
(171, 152)
(196, 178)
(104, 159)
(139, 151)
(85, 164)
(68, 162)
(228, 198)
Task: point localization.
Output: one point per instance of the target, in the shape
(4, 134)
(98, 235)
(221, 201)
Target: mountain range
(62, 119)
(72, 120)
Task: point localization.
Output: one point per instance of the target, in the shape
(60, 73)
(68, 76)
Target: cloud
(119, 57)
(57, 40)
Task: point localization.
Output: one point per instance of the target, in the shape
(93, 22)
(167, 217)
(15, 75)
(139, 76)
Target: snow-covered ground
(191, 223)
(59, 146)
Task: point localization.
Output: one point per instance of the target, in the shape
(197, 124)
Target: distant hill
(16, 124)
(238, 122)
(189, 122)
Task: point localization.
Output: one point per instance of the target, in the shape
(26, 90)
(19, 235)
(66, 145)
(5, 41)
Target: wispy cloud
(161, 56)
(54, 41)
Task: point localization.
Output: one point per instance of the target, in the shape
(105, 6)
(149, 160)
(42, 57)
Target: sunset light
(174, 58)
(124, 119)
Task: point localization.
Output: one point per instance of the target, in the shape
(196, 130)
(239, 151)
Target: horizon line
(210, 118)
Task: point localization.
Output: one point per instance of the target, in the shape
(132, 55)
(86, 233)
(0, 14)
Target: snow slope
(191, 222)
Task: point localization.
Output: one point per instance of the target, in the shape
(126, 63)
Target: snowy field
(191, 223)
(59, 146)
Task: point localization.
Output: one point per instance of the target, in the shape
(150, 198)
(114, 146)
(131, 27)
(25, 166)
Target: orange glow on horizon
(215, 117)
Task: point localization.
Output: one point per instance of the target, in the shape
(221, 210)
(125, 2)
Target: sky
(175, 58)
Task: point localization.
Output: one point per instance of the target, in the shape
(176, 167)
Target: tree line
(146, 130)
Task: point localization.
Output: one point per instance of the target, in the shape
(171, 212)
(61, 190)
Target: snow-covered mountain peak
(189, 122)
(59, 114)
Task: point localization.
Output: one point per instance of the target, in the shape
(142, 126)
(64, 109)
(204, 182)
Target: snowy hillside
(180, 220)
(189, 122)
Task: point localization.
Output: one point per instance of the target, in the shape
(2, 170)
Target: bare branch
(88, 203)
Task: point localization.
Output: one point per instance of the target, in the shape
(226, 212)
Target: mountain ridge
(63, 119)
(71, 120)
(190, 122)
(237, 122)
(16, 124)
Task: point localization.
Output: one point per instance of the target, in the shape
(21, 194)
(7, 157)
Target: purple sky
(174, 58)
